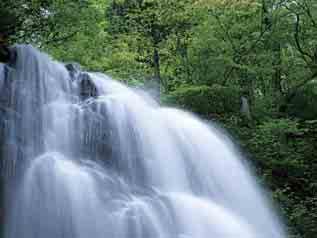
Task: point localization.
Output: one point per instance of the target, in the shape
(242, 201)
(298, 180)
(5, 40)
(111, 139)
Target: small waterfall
(84, 156)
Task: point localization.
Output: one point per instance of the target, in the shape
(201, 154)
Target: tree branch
(56, 39)
(297, 41)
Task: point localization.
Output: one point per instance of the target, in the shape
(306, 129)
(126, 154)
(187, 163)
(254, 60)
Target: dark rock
(87, 87)
(74, 69)
(7, 54)
(4, 54)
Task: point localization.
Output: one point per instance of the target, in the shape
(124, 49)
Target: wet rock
(4, 54)
(74, 70)
(87, 87)
(7, 54)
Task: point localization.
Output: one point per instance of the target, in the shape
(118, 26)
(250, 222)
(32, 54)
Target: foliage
(40, 21)
(206, 55)
(284, 151)
(148, 27)
(206, 100)
(303, 103)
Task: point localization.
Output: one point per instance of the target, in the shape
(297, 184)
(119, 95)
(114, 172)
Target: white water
(118, 165)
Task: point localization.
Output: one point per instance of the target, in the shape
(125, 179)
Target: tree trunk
(157, 72)
(156, 61)
(277, 75)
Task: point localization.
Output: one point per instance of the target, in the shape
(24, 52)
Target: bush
(206, 100)
(303, 105)
(285, 157)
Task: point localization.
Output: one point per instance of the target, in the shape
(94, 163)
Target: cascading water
(84, 156)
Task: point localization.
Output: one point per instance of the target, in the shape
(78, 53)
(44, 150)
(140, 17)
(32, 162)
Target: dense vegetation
(250, 65)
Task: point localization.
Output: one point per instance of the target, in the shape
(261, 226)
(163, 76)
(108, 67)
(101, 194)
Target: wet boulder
(7, 54)
(87, 87)
(74, 70)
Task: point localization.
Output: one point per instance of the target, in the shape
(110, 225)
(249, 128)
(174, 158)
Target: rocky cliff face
(17, 98)
(29, 89)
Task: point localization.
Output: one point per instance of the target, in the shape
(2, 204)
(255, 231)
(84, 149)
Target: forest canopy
(250, 65)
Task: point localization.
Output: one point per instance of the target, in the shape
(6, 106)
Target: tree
(40, 21)
(152, 23)
(304, 28)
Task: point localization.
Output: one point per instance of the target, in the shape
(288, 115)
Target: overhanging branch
(297, 41)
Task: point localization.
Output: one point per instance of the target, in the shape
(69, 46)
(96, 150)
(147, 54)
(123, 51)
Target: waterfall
(85, 156)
